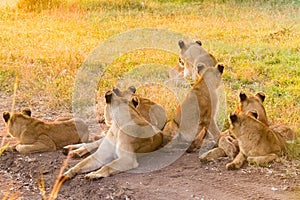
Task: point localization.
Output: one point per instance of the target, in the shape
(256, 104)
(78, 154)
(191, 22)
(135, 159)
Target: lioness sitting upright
(35, 135)
(129, 134)
(198, 111)
(191, 56)
(257, 142)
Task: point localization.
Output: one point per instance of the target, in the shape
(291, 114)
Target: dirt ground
(186, 178)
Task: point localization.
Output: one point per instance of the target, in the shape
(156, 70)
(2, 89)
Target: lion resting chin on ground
(128, 135)
(257, 142)
(35, 135)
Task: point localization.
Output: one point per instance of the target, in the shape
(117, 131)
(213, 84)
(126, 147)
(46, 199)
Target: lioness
(154, 113)
(35, 135)
(129, 134)
(227, 144)
(191, 56)
(198, 110)
(257, 142)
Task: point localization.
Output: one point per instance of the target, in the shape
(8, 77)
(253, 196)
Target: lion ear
(261, 96)
(253, 113)
(135, 101)
(200, 68)
(220, 67)
(199, 42)
(6, 116)
(181, 44)
(26, 111)
(117, 91)
(108, 96)
(233, 117)
(132, 89)
(243, 96)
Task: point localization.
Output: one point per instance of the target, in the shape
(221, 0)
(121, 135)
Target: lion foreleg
(79, 150)
(229, 146)
(104, 154)
(237, 162)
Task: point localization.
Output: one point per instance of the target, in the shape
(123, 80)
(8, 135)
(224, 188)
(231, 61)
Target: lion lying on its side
(35, 135)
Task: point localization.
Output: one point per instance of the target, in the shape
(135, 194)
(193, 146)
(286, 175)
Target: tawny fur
(198, 110)
(191, 55)
(35, 135)
(257, 142)
(126, 137)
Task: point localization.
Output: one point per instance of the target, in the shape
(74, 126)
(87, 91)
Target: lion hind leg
(214, 130)
(196, 144)
(262, 160)
(44, 143)
(212, 155)
(126, 161)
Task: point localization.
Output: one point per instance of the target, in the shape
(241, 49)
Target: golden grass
(259, 45)
(258, 42)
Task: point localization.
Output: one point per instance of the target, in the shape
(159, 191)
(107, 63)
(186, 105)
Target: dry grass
(259, 42)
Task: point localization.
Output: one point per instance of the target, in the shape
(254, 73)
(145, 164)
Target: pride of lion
(138, 125)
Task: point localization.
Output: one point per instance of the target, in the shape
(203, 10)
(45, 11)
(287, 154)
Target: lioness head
(192, 55)
(253, 102)
(244, 123)
(15, 121)
(126, 93)
(211, 75)
(116, 99)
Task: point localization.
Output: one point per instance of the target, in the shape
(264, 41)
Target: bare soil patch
(187, 178)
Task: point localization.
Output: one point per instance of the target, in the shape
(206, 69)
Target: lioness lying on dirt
(227, 143)
(197, 112)
(191, 56)
(129, 134)
(35, 135)
(257, 142)
(152, 112)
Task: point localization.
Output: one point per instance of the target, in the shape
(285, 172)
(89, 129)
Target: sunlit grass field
(44, 44)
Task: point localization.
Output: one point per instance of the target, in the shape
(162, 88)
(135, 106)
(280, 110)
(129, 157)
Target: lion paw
(94, 175)
(231, 166)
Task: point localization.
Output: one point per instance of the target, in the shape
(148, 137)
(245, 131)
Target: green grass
(257, 40)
